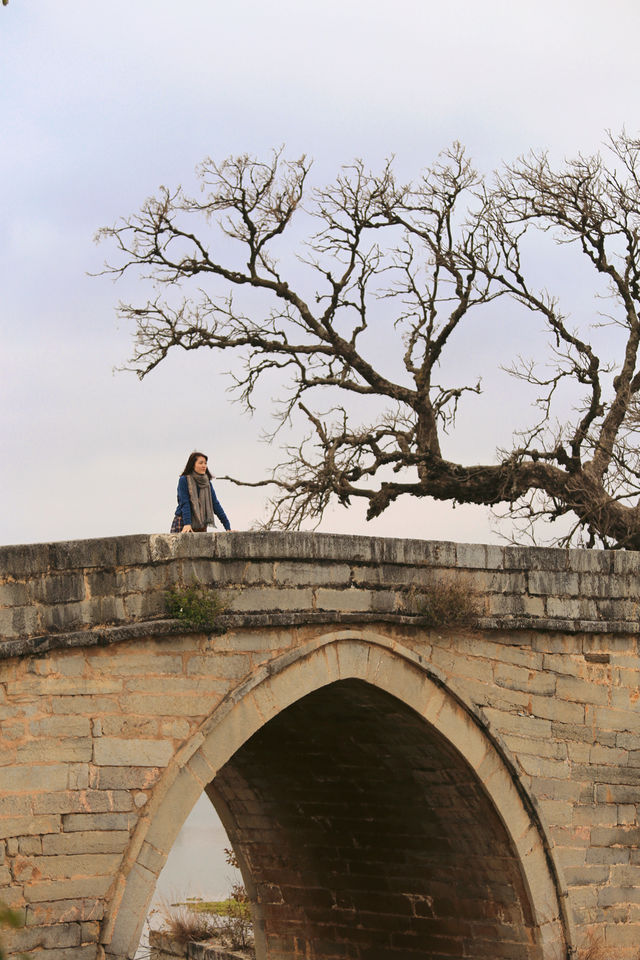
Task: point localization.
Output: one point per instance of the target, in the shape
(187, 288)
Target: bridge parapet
(110, 588)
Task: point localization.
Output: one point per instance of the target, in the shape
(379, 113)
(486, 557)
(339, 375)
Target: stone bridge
(418, 750)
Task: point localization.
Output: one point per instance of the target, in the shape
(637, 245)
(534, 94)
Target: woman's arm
(219, 512)
(184, 503)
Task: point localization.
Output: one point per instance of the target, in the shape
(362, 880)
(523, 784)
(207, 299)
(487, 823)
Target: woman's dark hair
(191, 462)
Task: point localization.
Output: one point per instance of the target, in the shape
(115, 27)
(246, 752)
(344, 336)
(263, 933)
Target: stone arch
(377, 664)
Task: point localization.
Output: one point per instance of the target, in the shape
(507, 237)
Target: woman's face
(200, 466)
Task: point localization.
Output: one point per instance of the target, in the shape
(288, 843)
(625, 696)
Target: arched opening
(369, 836)
(372, 814)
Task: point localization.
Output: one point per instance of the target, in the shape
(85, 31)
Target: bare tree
(420, 259)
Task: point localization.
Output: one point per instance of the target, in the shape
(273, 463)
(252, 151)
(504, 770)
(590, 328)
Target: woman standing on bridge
(197, 501)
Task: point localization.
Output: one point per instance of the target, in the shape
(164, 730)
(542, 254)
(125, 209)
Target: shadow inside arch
(373, 816)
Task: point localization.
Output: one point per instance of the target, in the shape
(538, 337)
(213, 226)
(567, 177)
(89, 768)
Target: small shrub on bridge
(196, 606)
(444, 603)
(11, 919)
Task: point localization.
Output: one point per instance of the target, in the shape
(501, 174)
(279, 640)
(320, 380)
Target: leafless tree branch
(411, 264)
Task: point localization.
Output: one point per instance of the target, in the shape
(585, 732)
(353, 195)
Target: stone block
(90, 931)
(113, 752)
(101, 583)
(145, 662)
(601, 814)
(24, 560)
(19, 622)
(61, 911)
(619, 721)
(271, 599)
(13, 594)
(607, 855)
(35, 777)
(185, 705)
(49, 938)
(126, 727)
(557, 812)
(474, 555)
(77, 554)
(288, 573)
(624, 835)
(157, 578)
(621, 935)
(125, 778)
(627, 813)
(391, 575)
(13, 805)
(534, 558)
(550, 583)
(591, 874)
(523, 724)
(612, 609)
(515, 605)
(175, 729)
(58, 588)
(559, 710)
(68, 749)
(74, 726)
(125, 935)
(625, 875)
(612, 755)
(30, 846)
(73, 822)
(70, 866)
(582, 690)
(520, 678)
(83, 801)
(63, 686)
(78, 776)
(595, 585)
(611, 896)
(133, 550)
(544, 767)
(194, 685)
(67, 889)
(230, 666)
(625, 562)
(348, 601)
(85, 842)
(145, 606)
(567, 608)
(90, 705)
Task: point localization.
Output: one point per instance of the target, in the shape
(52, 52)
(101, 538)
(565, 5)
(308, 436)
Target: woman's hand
(187, 528)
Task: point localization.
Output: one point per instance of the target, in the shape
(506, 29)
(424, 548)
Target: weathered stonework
(514, 746)
(164, 947)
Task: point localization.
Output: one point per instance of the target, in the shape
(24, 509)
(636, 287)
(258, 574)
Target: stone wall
(50, 590)
(164, 947)
(113, 722)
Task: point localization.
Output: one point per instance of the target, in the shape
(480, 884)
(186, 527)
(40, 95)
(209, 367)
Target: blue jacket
(184, 505)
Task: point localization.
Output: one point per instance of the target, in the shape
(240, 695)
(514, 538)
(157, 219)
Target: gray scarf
(201, 502)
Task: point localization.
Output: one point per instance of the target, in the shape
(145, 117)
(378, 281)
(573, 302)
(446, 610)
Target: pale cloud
(101, 105)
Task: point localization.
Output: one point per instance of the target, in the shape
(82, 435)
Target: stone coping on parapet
(149, 548)
(98, 592)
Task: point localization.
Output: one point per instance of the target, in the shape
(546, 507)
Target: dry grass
(596, 949)
(227, 921)
(443, 603)
(185, 925)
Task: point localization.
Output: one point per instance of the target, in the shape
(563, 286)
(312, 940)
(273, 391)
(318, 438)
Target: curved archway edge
(340, 655)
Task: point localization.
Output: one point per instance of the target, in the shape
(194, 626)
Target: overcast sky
(101, 103)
